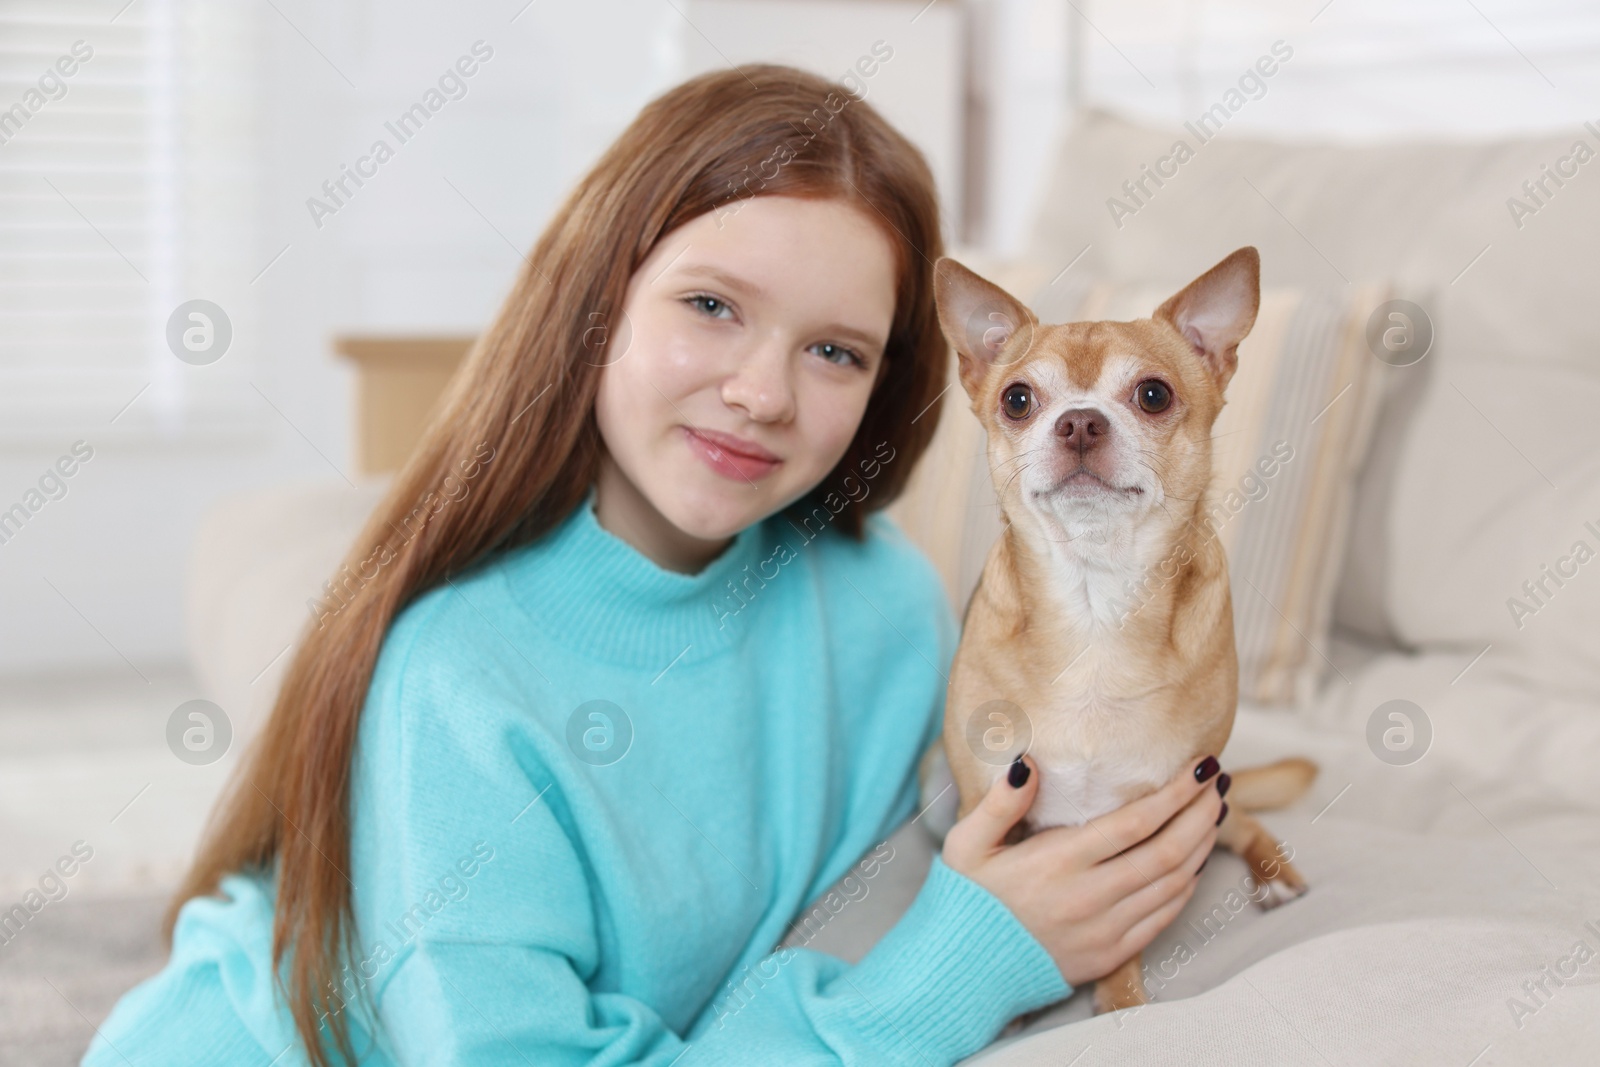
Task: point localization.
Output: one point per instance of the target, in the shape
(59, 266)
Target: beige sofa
(1445, 893)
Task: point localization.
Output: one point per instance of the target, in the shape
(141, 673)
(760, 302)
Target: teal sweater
(592, 796)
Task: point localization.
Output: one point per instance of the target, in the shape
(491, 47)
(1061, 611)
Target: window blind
(125, 133)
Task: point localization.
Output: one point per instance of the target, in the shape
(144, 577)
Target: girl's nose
(761, 385)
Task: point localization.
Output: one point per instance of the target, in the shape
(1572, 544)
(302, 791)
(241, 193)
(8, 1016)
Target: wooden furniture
(398, 381)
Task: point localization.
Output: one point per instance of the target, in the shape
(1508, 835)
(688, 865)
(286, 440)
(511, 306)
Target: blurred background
(223, 315)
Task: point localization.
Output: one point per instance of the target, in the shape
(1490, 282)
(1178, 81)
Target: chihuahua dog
(1100, 635)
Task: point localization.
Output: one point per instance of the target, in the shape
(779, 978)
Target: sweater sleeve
(939, 986)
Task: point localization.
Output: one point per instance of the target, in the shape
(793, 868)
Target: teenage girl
(628, 669)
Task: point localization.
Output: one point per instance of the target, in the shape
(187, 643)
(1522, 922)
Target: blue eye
(701, 300)
(850, 355)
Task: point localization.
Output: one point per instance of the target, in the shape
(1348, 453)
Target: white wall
(405, 252)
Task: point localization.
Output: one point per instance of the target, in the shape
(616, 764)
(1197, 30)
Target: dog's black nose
(1082, 429)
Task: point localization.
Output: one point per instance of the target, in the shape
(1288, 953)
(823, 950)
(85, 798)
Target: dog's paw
(1283, 885)
(1110, 996)
(1278, 893)
(1280, 882)
(1122, 988)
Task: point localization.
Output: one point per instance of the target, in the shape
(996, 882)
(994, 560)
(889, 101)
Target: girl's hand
(1093, 895)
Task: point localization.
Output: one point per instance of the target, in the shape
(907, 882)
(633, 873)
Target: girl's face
(737, 379)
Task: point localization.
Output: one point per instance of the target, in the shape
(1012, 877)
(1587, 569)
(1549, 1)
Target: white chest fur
(1074, 790)
(1102, 738)
(1102, 731)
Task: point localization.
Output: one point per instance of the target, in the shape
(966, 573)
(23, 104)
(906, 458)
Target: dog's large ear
(982, 322)
(1216, 310)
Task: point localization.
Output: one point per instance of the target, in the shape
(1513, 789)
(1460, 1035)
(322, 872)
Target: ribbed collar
(593, 592)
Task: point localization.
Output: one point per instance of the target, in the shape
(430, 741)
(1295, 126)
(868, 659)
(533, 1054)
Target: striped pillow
(1286, 450)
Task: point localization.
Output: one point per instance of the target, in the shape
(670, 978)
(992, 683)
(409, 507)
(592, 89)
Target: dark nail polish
(1207, 768)
(1223, 814)
(1223, 783)
(1018, 774)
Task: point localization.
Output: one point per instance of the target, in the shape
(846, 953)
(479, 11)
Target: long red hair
(702, 146)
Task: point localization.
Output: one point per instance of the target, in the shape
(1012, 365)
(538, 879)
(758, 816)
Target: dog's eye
(1017, 401)
(1153, 395)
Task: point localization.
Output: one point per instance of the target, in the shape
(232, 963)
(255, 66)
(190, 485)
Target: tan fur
(1243, 835)
(1277, 785)
(1122, 988)
(1115, 702)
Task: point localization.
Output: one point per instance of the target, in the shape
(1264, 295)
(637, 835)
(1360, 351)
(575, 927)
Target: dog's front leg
(1243, 835)
(1122, 988)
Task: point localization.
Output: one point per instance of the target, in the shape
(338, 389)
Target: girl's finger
(1149, 895)
(1137, 820)
(1145, 930)
(984, 828)
(1169, 847)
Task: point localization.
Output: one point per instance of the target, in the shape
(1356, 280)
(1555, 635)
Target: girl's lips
(736, 466)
